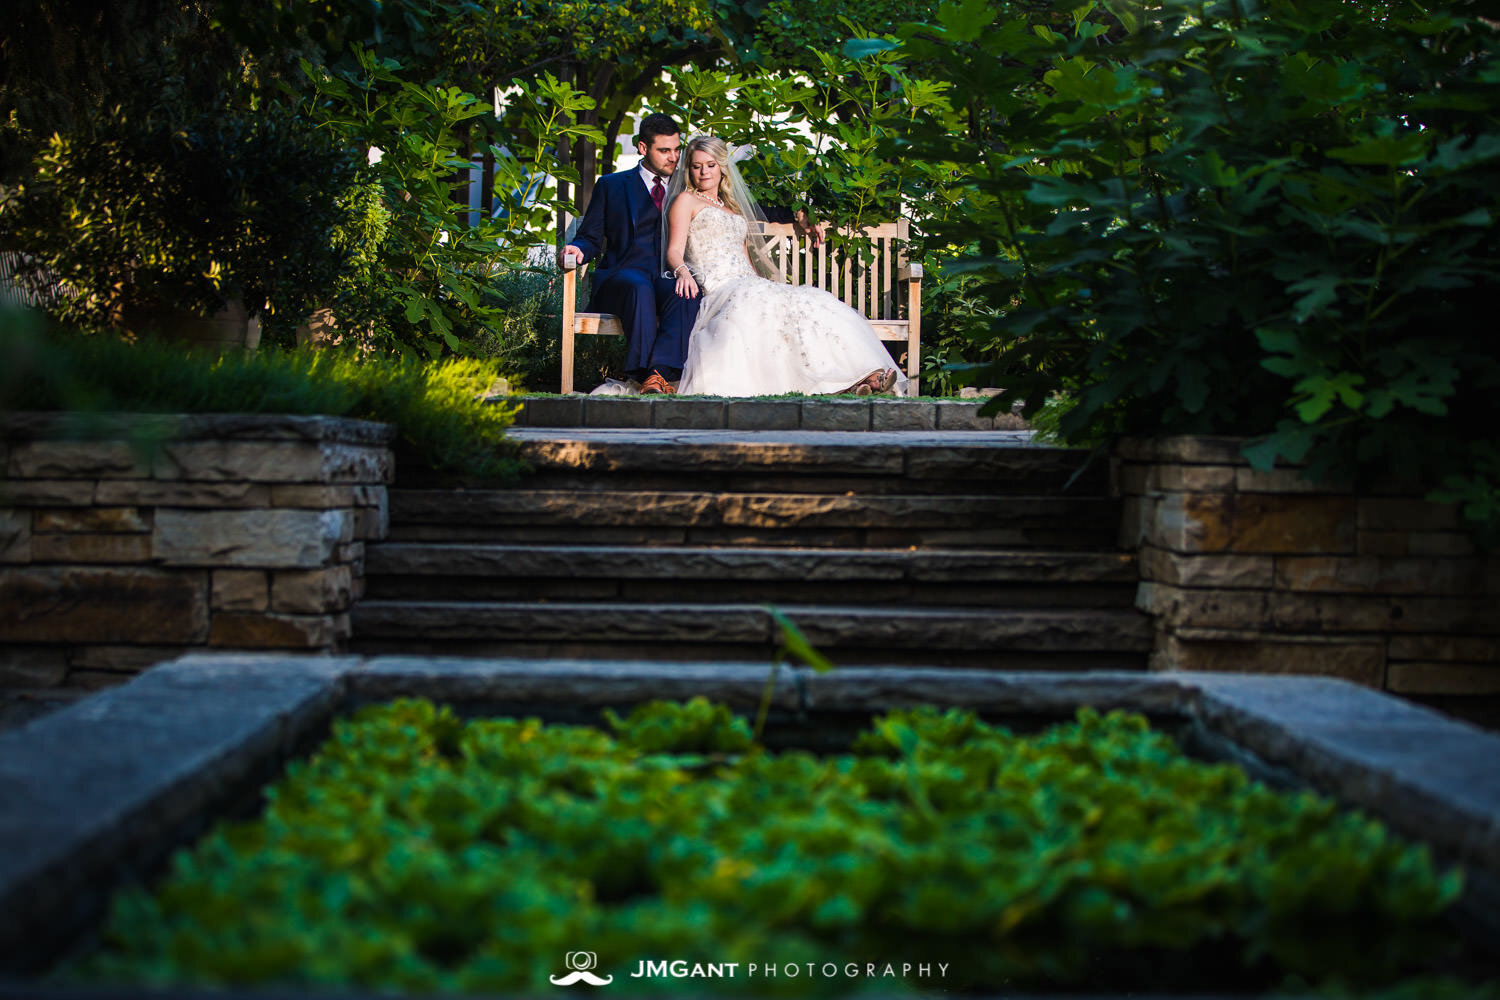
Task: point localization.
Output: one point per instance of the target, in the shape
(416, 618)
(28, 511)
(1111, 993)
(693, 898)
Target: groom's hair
(656, 124)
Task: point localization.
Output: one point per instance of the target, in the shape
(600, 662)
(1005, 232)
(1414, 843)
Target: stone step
(807, 462)
(635, 574)
(641, 517)
(1015, 639)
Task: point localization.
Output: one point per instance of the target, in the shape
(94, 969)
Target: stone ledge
(116, 779)
(573, 682)
(1428, 776)
(37, 426)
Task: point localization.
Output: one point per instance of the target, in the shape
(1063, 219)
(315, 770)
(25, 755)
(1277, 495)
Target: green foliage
(961, 329)
(62, 61)
(1266, 219)
(697, 726)
(613, 51)
(790, 35)
(429, 294)
(820, 140)
(436, 406)
(134, 215)
(526, 339)
(420, 853)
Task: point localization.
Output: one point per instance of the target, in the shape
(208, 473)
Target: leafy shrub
(418, 852)
(147, 210)
(1267, 219)
(436, 406)
(430, 295)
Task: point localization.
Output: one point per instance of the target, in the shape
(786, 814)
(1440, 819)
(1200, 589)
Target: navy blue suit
(622, 228)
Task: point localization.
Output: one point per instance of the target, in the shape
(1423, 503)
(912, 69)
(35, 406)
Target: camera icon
(581, 961)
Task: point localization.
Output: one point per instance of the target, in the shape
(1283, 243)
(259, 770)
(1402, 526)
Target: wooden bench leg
(569, 295)
(914, 334)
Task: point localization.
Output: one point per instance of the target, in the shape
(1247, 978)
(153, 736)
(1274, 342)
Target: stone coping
(69, 425)
(819, 413)
(101, 790)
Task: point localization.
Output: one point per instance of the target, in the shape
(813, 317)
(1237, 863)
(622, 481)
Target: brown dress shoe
(656, 385)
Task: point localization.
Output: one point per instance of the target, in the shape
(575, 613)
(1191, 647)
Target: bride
(755, 336)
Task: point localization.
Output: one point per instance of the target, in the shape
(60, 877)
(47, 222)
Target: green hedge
(437, 407)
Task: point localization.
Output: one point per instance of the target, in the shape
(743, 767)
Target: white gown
(757, 337)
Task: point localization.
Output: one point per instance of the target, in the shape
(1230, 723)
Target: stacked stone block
(1268, 571)
(160, 533)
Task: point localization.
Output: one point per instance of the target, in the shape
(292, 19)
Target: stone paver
(901, 415)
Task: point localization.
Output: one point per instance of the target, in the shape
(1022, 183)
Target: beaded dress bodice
(715, 248)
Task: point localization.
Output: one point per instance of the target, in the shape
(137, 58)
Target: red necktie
(658, 194)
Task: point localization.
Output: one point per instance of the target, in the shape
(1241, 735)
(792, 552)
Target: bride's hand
(687, 285)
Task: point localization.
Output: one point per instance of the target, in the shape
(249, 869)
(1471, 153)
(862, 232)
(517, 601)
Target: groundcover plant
(418, 851)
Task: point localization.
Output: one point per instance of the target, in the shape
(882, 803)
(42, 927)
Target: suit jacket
(621, 227)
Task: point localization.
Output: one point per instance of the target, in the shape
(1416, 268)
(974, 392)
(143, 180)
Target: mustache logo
(580, 962)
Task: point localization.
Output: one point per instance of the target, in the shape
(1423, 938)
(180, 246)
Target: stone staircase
(971, 549)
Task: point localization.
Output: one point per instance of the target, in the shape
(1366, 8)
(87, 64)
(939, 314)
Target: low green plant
(437, 407)
(419, 852)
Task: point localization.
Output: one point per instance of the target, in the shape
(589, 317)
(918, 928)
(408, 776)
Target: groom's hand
(803, 225)
(570, 251)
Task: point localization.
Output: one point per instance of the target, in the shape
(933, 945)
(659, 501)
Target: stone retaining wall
(125, 542)
(1268, 572)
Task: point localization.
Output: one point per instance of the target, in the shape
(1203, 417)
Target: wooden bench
(884, 290)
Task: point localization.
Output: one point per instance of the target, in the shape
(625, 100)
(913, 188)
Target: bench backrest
(869, 286)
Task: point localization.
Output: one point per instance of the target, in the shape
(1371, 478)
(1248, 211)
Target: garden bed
(109, 786)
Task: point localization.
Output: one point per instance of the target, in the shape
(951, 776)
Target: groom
(622, 227)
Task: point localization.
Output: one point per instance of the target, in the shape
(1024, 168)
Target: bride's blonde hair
(719, 150)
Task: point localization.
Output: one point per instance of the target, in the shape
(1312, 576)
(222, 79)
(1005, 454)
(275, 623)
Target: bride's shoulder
(683, 208)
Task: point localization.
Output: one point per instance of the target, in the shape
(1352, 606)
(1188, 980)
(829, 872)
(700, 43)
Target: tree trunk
(487, 186)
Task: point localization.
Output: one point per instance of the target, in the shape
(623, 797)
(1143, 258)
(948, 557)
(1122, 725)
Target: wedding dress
(757, 337)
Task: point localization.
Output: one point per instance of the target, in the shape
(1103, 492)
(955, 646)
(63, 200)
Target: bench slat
(597, 325)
